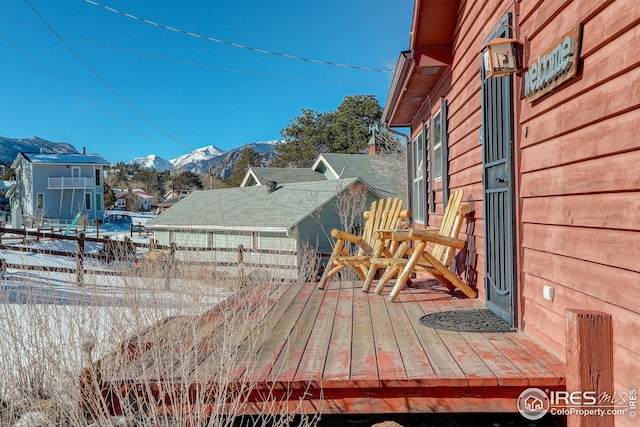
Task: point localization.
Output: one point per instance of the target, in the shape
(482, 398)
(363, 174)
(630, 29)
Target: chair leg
(378, 249)
(392, 269)
(406, 272)
(328, 270)
(451, 277)
(369, 278)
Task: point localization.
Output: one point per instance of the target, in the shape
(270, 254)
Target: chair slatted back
(450, 226)
(384, 214)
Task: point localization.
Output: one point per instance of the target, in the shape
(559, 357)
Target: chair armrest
(343, 235)
(431, 236)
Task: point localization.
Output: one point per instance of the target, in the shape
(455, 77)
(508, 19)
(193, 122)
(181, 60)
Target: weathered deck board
(339, 362)
(388, 356)
(347, 351)
(364, 369)
(312, 362)
(282, 329)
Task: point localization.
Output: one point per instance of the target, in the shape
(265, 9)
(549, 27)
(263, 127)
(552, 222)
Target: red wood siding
(577, 153)
(579, 182)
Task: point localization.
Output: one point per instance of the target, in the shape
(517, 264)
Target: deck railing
(63, 183)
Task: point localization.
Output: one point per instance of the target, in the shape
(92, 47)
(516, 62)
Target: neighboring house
(385, 175)
(165, 205)
(57, 186)
(292, 217)
(260, 176)
(172, 194)
(142, 199)
(547, 157)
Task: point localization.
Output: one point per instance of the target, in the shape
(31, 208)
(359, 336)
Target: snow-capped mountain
(10, 147)
(152, 162)
(198, 161)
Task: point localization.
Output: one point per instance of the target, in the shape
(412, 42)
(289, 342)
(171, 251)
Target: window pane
(97, 177)
(98, 202)
(437, 162)
(40, 201)
(419, 155)
(418, 200)
(437, 146)
(87, 201)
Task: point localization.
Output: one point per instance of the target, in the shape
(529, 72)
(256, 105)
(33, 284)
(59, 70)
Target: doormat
(466, 321)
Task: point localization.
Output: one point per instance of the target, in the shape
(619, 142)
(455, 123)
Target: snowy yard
(50, 327)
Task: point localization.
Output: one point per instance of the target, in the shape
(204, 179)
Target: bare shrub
(351, 205)
(195, 328)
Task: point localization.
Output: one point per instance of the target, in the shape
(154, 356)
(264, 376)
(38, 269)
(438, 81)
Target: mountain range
(198, 161)
(10, 147)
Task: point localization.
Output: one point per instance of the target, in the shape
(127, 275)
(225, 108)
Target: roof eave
(402, 72)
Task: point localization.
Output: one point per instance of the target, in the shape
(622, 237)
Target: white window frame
(75, 172)
(437, 146)
(418, 190)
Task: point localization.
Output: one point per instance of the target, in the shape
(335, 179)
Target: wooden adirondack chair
(384, 213)
(406, 260)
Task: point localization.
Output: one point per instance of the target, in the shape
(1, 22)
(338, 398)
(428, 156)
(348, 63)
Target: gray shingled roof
(85, 159)
(287, 175)
(250, 208)
(377, 171)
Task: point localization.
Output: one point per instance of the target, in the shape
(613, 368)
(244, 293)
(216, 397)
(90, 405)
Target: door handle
(501, 180)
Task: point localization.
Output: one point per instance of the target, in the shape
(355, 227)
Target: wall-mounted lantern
(502, 56)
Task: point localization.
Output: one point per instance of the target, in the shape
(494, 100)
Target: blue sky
(155, 91)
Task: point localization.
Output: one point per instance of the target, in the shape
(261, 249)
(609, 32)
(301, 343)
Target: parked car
(5, 204)
(117, 219)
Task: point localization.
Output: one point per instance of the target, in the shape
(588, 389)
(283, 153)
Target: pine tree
(345, 130)
(247, 159)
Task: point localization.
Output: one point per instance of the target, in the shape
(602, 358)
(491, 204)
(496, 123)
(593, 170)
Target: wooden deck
(334, 351)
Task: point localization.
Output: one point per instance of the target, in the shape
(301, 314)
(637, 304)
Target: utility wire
(194, 63)
(111, 88)
(238, 45)
(76, 90)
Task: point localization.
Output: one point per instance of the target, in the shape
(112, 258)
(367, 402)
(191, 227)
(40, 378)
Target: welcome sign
(553, 68)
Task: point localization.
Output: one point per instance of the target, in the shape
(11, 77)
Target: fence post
(171, 265)
(97, 221)
(589, 361)
(241, 264)
(80, 260)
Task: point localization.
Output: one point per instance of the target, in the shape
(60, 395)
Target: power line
(111, 88)
(79, 92)
(233, 44)
(194, 63)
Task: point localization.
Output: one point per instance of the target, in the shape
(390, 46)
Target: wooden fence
(238, 261)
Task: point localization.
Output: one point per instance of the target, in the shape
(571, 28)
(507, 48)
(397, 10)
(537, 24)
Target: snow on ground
(46, 318)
